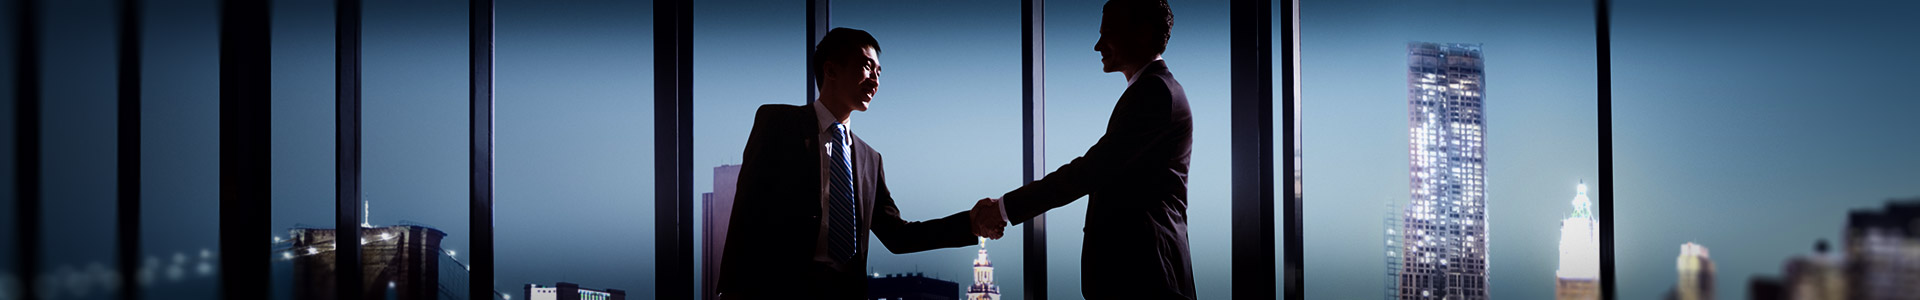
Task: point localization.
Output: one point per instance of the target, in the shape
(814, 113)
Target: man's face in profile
(1117, 45)
(856, 80)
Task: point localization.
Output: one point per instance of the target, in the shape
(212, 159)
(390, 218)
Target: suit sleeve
(1141, 129)
(901, 236)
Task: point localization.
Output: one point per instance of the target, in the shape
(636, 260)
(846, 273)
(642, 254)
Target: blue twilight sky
(1728, 119)
(1753, 128)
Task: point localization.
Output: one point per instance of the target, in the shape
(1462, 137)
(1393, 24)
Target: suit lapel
(806, 125)
(863, 181)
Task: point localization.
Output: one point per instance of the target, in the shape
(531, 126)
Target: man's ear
(827, 69)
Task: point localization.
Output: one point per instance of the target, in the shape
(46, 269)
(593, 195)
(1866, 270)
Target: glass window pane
(1081, 100)
(414, 144)
(574, 148)
(180, 152)
(747, 52)
(78, 149)
(740, 64)
(1485, 203)
(1758, 133)
(947, 120)
(302, 137)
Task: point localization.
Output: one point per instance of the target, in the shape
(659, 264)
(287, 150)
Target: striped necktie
(843, 235)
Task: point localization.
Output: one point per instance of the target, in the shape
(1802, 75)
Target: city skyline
(1701, 151)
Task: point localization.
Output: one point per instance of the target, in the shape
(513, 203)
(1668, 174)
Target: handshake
(987, 221)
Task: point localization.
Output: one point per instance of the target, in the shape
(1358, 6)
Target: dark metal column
(480, 148)
(1033, 104)
(246, 103)
(818, 14)
(1253, 234)
(346, 137)
(26, 155)
(673, 148)
(1603, 54)
(128, 173)
(1295, 278)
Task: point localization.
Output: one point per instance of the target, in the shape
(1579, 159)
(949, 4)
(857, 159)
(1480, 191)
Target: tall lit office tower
(1696, 273)
(1579, 274)
(1445, 222)
(983, 287)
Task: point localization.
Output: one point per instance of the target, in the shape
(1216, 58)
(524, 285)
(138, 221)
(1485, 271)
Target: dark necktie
(843, 235)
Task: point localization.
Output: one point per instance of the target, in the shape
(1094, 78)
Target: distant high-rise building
(1696, 274)
(1444, 230)
(1820, 276)
(570, 291)
(1883, 252)
(911, 287)
(1579, 275)
(1391, 223)
(404, 261)
(718, 206)
(1881, 260)
(983, 287)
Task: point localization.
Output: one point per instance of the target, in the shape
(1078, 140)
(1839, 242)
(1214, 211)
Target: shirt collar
(1142, 71)
(826, 119)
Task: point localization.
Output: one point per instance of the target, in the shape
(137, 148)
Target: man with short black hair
(810, 190)
(1134, 177)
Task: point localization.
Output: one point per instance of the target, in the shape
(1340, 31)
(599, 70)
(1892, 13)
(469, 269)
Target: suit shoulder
(1154, 88)
(778, 111)
(782, 118)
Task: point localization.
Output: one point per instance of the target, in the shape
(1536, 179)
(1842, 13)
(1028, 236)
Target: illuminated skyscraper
(1696, 273)
(983, 287)
(1445, 223)
(1579, 274)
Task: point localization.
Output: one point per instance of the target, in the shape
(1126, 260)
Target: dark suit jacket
(1135, 178)
(776, 243)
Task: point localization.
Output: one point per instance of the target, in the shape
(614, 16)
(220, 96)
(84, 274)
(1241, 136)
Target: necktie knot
(839, 133)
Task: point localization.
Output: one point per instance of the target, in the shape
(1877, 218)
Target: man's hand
(986, 219)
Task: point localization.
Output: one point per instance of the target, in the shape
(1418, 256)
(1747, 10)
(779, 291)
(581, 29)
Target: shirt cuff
(1003, 210)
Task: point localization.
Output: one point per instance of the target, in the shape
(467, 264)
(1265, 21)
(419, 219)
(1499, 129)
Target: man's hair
(1144, 17)
(840, 45)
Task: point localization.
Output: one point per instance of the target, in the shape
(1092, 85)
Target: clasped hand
(987, 221)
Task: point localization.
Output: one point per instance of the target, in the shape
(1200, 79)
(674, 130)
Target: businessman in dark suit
(810, 190)
(1134, 177)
